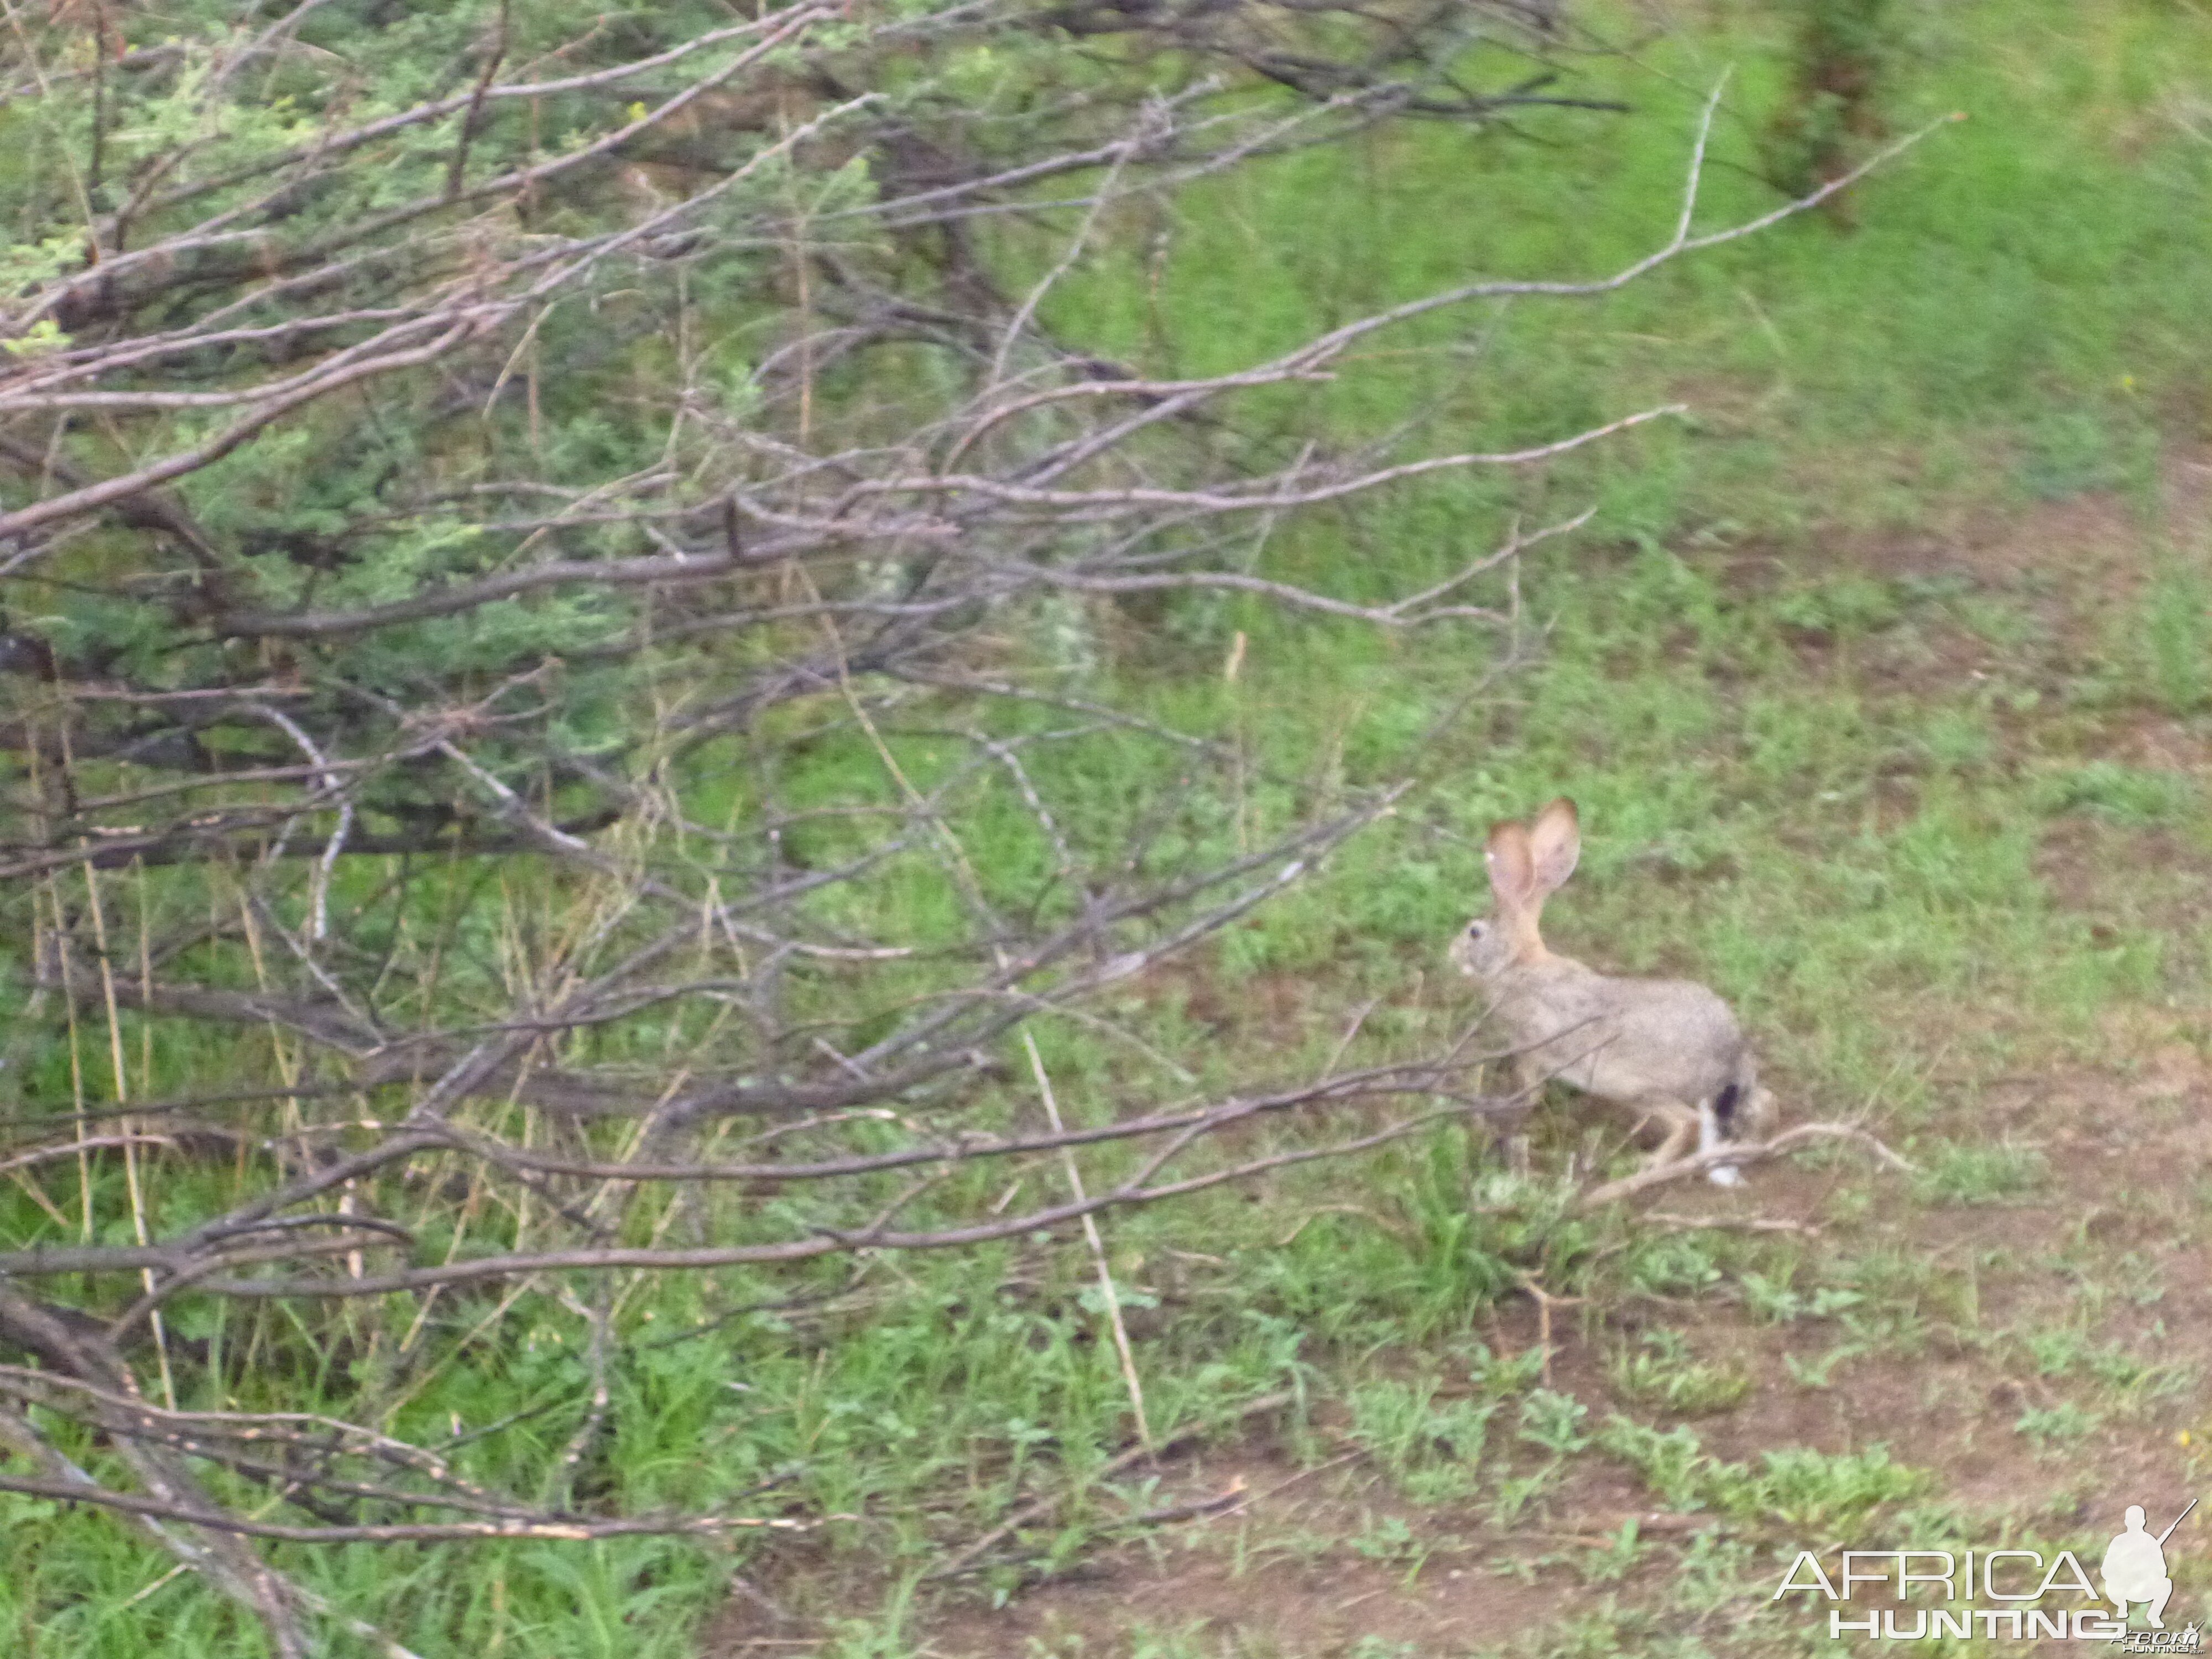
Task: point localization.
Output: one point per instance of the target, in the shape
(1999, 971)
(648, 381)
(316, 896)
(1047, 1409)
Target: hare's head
(1527, 863)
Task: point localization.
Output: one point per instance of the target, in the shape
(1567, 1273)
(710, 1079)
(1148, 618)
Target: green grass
(1660, 1372)
(1980, 1174)
(1827, 786)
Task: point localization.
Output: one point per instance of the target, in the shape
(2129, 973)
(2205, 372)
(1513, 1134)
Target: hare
(1665, 1048)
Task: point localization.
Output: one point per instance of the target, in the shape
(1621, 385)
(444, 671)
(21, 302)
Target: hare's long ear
(1513, 880)
(1555, 844)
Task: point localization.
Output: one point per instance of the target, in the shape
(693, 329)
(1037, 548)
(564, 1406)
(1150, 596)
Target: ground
(1884, 681)
(2026, 1322)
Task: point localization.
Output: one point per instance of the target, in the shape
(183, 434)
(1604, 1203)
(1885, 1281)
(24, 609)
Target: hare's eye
(1474, 930)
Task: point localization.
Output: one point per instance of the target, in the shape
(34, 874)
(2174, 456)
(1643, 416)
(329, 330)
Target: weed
(1841, 607)
(1956, 740)
(1185, 1641)
(1977, 1173)
(1774, 1300)
(2132, 795)
(2067, 452)
(1510, 1498)
(1603, 1633)
(1676, 1265)
(1497, 1377)
(1661, 1371)
(1389, 1538)
(1833, 107)
(1672, 1463)
(2130, 1380)
(1432, 1448)
(1553, 1421)
(1819, 1373)
(2177, 640)
(1805, 1490)
(1613, 1561)
(1830, 1301)
(2058, 1425)
(1811, 1490)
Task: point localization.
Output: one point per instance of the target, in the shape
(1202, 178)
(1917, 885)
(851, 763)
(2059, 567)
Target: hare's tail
(1725, 1104)
(1741, 1110)
(1731, 1105)
(1735, 1113)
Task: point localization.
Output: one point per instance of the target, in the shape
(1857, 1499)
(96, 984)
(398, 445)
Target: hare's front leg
(1530, 1074)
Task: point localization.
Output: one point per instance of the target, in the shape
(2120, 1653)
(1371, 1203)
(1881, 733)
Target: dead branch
(221, 1520)
(1789, 1140)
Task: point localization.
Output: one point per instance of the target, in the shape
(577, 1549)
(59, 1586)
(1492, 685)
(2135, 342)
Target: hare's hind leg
(1680, 1121)
(1721, 1120)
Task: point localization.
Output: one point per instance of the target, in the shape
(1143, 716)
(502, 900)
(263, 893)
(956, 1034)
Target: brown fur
(1669, 1049)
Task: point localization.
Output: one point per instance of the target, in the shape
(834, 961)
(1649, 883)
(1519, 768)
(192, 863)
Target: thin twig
(1746, 1152)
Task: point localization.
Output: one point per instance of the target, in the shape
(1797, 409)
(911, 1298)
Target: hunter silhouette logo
(2135, 1566)
(2015, 1595)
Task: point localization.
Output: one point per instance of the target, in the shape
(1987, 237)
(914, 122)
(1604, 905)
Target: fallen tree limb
(1789, 1140)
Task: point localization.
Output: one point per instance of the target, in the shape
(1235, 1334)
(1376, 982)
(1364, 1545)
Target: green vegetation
(1883, 680)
